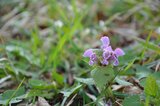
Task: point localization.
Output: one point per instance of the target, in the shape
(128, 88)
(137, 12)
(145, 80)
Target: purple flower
(111, 56)
(114, 59)
(105, 42)
(119, 52)
(108, 54)
(93, 58)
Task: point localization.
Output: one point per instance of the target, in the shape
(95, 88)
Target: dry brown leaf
(117, 87)
(42, 102)
(132, 90)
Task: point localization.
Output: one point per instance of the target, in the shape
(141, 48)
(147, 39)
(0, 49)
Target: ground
(42, 46)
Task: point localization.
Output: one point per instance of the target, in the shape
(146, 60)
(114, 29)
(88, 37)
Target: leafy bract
(102, 76)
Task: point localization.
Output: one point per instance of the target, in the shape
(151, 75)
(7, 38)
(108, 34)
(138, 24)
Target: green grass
(49, 56)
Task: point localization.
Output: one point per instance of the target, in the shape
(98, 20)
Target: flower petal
(106, 54)
(119, 52)
(91, 62)
(93, 57)
(88, 53)
(105, 62)
(116, 62)
(105, 41)
(109, 48)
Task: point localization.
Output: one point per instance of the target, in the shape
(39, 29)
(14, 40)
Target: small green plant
(103, 60)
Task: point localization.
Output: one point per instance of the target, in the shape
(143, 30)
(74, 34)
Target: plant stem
(108, 89)
(15, 92)
(147, 101)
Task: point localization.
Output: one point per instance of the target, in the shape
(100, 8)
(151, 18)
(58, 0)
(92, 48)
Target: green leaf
(23, 53)
(20, 94)
(120, 94)
(88, 81)
(130, 64)
(67, 93)
(58, 77)
(102, 76)
(132, 101)
(123, 82)
(38, 92)
(157, 77)
(142, 82)
(142, 71)
(129, 58)
(151, 86)
(39, 84)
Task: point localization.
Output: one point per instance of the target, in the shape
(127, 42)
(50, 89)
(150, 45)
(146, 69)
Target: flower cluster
(108, 55)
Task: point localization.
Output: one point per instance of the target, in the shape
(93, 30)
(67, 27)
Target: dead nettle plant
(104, 59)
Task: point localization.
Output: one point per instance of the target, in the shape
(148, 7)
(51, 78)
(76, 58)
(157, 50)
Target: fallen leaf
(42, 102)
(132, 90)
